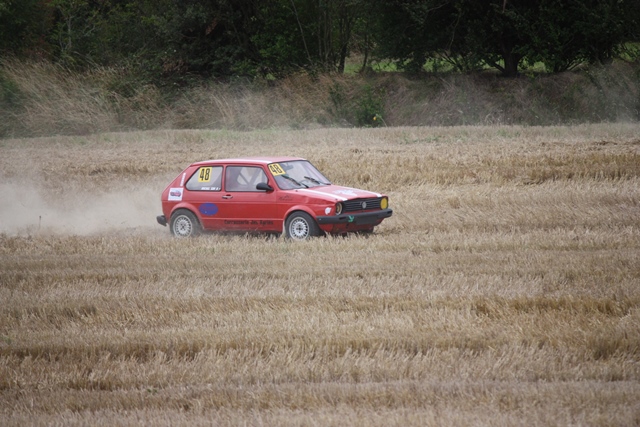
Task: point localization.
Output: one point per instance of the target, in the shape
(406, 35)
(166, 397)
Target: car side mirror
(263, 186)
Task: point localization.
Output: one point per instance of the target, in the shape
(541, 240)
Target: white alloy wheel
(184, 224)
(300, 226)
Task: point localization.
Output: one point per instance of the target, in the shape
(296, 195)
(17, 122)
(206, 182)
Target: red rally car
(266, 194)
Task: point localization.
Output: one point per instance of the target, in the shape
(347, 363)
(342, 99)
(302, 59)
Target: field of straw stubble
(505, 290)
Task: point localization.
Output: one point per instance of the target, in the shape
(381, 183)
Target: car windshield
(297, 174)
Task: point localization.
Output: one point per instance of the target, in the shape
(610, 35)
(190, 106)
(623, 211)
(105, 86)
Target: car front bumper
(364, 218)
(162, 220)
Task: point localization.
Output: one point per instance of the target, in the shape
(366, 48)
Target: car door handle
(228, 196)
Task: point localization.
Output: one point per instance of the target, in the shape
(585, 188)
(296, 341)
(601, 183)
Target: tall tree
(500, 31)
(275, 37)
(309, 34)
(570, 32)
(24, 25)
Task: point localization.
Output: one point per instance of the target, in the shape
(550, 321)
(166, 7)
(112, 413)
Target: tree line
(223, 38)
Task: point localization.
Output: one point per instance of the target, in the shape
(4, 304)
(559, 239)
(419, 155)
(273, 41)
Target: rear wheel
(184, 224)
(301, 226)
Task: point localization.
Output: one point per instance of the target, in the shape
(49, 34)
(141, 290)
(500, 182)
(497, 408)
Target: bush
(370, 107)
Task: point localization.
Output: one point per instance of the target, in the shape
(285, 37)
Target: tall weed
(40, 99)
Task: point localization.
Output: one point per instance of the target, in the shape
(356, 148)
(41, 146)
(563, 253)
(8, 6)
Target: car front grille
(361, 204)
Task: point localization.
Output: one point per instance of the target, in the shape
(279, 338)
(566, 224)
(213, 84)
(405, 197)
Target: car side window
(206, 178)
(243, 178)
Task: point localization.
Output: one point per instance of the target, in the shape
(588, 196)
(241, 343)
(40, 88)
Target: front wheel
(300, 226)
(184, 224)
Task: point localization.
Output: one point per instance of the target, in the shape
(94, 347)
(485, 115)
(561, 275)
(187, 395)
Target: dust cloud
(26, 209)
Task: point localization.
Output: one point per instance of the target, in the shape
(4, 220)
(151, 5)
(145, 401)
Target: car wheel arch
(300, 208)
(182, 205)
(196, 226)
(312, 229)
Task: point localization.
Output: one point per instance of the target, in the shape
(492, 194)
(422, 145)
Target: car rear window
(206, 178)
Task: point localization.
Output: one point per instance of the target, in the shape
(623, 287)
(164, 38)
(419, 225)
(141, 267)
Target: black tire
(184, 224)
(300, 226)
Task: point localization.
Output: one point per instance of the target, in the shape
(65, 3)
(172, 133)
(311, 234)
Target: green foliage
(9, 92)
(23, 24)
(279, 43)
(361, 106)
(370, 106)
(587, 31)
(630, 52)
(339, 101)
(10, 102)
(503, 34)
(176, 43)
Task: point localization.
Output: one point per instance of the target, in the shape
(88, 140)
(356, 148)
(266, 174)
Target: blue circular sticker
(208, 209)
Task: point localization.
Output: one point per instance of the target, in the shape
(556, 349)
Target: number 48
(205, 175)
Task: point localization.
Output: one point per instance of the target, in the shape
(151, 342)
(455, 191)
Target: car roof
(248, 160)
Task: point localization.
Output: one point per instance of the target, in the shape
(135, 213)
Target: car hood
(336, 193)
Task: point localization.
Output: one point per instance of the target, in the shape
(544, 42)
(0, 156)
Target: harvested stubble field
(505, 290)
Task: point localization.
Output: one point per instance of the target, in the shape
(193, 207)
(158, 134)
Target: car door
(243, 207)
(204, 193)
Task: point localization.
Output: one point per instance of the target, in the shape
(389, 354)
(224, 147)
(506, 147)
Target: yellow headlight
(384, 203)
(338, 208)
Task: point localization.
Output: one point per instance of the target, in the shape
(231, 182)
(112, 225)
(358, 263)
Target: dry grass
(505, 290)
(41, 99)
